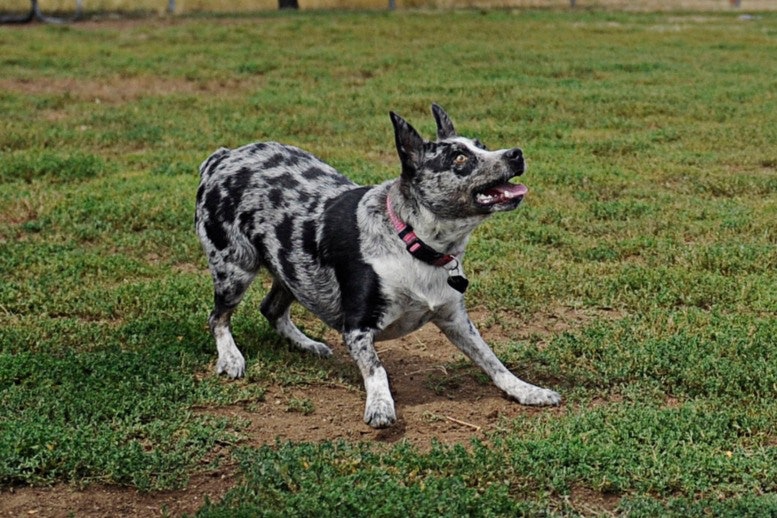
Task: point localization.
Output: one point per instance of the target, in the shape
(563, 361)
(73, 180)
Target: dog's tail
(213, 161)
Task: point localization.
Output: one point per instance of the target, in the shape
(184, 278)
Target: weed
(302, 405)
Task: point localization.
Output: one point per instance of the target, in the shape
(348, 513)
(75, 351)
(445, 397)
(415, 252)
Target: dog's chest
(408, 321)
(417, 293)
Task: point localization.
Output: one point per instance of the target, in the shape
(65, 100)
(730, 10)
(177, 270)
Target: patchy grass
(653, 192)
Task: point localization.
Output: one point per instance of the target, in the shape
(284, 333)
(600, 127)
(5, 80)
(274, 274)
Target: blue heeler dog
(375, 263)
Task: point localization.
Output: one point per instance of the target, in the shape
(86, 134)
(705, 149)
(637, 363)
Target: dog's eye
(460, 159)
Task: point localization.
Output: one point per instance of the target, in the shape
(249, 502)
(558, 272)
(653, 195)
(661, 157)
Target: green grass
(653, 191)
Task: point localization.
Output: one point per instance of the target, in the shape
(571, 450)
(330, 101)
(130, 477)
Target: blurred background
(202, 6)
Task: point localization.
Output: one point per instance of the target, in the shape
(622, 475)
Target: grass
(653, 191)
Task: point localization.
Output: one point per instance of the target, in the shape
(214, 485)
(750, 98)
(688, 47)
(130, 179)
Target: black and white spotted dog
(374, 263)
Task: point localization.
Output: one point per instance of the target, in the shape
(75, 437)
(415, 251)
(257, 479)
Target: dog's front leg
(460, 330)
(379, 410)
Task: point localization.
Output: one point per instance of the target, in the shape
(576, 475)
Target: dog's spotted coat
(329, 245)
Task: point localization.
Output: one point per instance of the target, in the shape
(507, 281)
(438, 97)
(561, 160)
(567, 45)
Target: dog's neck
(447, 236)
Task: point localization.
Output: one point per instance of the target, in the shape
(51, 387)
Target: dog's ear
(444, 124)
(410, 145)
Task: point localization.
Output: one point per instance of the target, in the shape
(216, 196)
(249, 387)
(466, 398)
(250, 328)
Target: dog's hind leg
(230, 284)
(275, 307)
(462, 332)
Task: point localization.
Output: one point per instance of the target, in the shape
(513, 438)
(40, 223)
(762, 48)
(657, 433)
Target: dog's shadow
(418, 379)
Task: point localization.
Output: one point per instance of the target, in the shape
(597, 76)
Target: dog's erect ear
(444, 124)
(410, 145)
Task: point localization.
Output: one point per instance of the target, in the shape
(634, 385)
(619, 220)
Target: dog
(374, 263)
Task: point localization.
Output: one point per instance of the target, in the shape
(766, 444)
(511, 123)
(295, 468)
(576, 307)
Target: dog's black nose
(514, 157)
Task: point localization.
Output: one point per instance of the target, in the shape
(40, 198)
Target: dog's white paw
(526, 393)
(379, 413)
(232, 364)
(536, 396)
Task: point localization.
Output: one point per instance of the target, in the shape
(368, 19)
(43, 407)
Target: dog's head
(456, 176)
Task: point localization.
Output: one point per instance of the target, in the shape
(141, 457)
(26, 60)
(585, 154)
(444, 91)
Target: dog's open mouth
(501, 194)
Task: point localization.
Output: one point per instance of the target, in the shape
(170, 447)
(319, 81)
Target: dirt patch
(433, 404)
(439, 397)
(110, 501)
(593, 503)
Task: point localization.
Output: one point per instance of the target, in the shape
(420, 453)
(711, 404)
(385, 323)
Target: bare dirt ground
(437, 399)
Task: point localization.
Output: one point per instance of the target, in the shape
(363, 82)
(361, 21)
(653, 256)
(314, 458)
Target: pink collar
(415, 246)
(424, 252)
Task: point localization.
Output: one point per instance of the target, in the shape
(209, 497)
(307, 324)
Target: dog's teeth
(484, 198)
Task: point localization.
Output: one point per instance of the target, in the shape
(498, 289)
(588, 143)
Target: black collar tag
(458, 283)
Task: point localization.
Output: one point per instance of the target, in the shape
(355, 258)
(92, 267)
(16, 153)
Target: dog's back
(261, 206)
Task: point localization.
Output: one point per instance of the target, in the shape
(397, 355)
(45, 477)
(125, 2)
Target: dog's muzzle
(501, 194)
